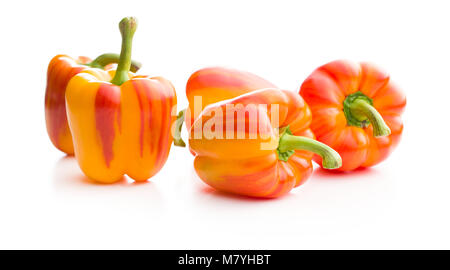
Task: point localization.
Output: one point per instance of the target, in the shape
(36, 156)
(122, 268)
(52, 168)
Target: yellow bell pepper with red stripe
(60, 70)
(120, 122)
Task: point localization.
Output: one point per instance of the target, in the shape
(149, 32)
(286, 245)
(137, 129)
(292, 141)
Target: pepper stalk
(127, 28)
(359, 111)
(288, 143)
(112, 58)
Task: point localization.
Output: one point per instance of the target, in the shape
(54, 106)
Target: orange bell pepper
(60, 70)
(250, 157)
(120, 122)
(214, 84)
(356, 111)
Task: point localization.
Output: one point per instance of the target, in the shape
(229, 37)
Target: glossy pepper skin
(60, 70)
(214, 84)
(261, 164)
(120, 122)
(356, 111)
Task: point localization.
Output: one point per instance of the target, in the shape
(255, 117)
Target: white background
(45, 202)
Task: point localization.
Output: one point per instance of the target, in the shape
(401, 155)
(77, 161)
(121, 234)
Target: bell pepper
(60, 70)
(214, 84)
(265, 148)
(120, 122)
(356, 110)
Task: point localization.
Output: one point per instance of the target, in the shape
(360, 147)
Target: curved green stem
(127, 28)
(288, 143)
(359, 111)
(177, 140)
(362, 109)
(112, 58)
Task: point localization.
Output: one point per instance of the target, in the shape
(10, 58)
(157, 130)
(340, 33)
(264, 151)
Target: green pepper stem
(330, 158)
(359, 112)
(112, 58)
(177, 140)
(127, 28)
(362, 109)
